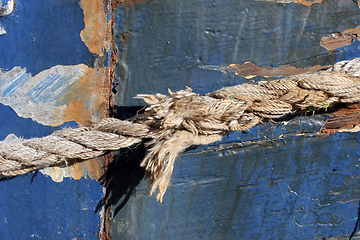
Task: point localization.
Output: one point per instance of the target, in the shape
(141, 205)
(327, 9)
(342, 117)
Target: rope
(171, 124)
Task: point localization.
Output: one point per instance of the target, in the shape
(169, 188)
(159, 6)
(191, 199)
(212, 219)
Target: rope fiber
(171, 124)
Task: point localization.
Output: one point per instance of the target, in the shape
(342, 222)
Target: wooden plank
(278, 181)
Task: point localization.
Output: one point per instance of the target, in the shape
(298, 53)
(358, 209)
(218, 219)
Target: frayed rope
(171, 124)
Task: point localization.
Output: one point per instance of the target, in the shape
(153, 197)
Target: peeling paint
(129, 2)
(250, 70)
(93, 168)
(96, 33)
(56, 95)
(343, 120)
(68, 93)
(337, 40)
(304, 2)
(2, 30)
(7, 9)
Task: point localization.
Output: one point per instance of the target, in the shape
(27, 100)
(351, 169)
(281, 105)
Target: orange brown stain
(90, 96)
(93, 168)
(76, 112)
(250, 70)
(337, 40)
(303, 2)
(307, 2)
(96, 34)
(93, 90)
(343, 119)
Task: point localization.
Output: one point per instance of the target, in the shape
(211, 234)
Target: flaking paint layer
(343, 120)
(303, 2)
(57, 95)
(93, 168)
(95, 35)
(337, 40)
(250, 70)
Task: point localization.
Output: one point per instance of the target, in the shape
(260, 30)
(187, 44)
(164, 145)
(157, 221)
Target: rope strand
(184, 119)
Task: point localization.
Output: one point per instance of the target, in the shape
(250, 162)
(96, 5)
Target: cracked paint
(250, 70)
(303, 2)
(310, 218)
(343, 120)
(335, 187)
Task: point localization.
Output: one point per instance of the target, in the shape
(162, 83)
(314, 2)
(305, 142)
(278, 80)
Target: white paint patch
(11, 138)
(57, 174)
(7, 9)
(38, 97)
(2, 30)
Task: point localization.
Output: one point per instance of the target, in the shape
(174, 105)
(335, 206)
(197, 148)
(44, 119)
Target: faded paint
(250, 70)
(96, 33)
(304, 2)
(56, 95)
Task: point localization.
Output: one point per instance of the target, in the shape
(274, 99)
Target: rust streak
(343, 119)
(250, 70)
(95, 35)
(336, 40)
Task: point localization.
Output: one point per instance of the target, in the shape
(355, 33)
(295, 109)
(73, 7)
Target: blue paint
(11, 86)
(26, 128)
(43, 209)
(42, 34)
(44, 86)
(183, 36)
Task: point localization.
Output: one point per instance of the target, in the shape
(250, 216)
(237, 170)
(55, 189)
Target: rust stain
(76, 171)
(250, 70)
(88, 96)
(336, 40)
(96, 33)
(345, 119)
(303, 2)
(76, 112)
(93, 89)
(93, 168)
(113, 61)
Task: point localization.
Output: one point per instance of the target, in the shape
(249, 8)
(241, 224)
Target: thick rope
(173, 124)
